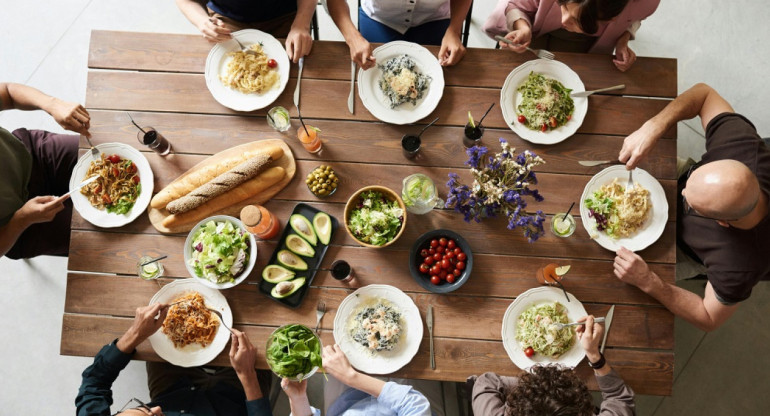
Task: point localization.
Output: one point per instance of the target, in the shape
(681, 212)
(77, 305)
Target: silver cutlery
(598, 162)
(320, 310)
(94, 150)
(541, 53)
(82, 184)
(587, 93)
(607, 323)
(430, 334)
(630, 184)
(222, 320)
(559, 325)
(352, 96)
(299, 80)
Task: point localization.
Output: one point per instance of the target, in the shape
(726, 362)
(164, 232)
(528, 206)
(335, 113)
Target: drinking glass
(308, 136)
(151, 271)
(472, 135)
(420, 194)
(410, 145)
(151, 138)
(563, 226)
(278, 118)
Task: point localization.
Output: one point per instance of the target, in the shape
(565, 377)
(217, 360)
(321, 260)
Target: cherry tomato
(552, 121)
(432, 251)
(131, 168)
(453, 260)
(544, 127)
(436, 269)
(272, 63)
(435, 279)
(98, 189)
(443, 274)
(106, 199)
(522, 119)
(450, 278)
(451, 244)
(450, 254)
(442, 241)
(445, 264)
(440, 249)
(135, 179)
(114, 158)
(457, 272)
(437, 257)
(462, 256)
(424, 268)
(115, 172)
(434, 243)
(429, 260)
(458, 250)
(569, 117)
(423, 253)
(460, 265)
(529, 351)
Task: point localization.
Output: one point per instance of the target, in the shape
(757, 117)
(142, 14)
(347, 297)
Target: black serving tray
(295, 299)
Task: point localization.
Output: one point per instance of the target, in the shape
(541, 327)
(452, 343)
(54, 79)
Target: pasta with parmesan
(618, 212)
(250, 73)
(190, 322)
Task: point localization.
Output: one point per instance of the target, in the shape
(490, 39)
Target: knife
(352, 96)
(299, 79)
(598, 162)
(430, 332)
(77, 188)
(607, 323)
(587, 93)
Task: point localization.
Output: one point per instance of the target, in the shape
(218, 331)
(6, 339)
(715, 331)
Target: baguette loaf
(220, 184)
(195, 178)
(246, 190)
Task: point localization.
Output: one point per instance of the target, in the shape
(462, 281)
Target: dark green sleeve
(95, 394)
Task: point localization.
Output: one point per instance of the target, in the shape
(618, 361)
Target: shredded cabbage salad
(376, 220)
(220, 251)
(545, 102)
(535, 330)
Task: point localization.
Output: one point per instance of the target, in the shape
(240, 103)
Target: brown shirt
(736, 259)
(15, 170)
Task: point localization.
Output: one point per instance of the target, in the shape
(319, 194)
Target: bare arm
(213, 30)
(360, 49)
(71, 116)
(706, 313)
(299, 42)
(452, 49)
(700, 100)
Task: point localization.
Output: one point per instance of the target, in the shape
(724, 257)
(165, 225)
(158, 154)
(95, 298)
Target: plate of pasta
(191, 335)
(527, 324)
(615, 217)
(536, 102)
(379, 328)
(405, 86)
(247, 81)
(122, 190)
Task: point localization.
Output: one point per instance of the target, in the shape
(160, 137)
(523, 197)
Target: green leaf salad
(220, 251)
(293, 351)
(546, 103)
(535, 329)
(376, 220)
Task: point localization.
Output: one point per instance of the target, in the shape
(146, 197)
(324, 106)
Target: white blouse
(400, 15)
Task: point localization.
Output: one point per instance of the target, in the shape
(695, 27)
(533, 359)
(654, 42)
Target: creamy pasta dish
(535, 330)
(250, 73)
(117, 187)
(377, 326)
(190, 322)
(618, 212)
(401, 82)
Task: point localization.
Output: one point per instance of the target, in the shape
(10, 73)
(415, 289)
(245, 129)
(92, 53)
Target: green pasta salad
(546, 104)
(535, 330)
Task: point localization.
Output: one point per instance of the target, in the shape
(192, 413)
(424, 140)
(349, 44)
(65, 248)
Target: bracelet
(599, 364)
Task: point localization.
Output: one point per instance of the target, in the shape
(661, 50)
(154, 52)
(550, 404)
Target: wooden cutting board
(286, 162)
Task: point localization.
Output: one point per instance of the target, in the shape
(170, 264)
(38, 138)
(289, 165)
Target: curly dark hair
(549, 390)
(593, 11)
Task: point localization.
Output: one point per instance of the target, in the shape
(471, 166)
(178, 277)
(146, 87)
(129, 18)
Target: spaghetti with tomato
(117, 187)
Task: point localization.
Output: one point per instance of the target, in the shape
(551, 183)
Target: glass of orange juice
(308, 136)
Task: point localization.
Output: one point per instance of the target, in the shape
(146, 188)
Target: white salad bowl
(252, 252)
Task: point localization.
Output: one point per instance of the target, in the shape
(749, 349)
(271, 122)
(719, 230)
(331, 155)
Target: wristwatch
(599, 364)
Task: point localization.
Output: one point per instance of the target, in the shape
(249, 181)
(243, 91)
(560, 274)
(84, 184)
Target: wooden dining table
(159, 78)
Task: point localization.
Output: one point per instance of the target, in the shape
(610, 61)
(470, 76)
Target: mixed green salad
(536, 330)
(375, 220)
(220, 251)
(546, 103)
(293, 351)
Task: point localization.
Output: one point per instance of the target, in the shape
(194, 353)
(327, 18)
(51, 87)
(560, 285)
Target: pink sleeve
(498, 22)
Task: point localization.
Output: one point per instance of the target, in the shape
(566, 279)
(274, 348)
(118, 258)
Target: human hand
(294, 389)
(71, 116)
(243, 355)
(361, 52)
(521, 37)
(590, 336)
(638, 144)
(452, 49)
(298, 44)
(214, 29)
(624, 56)
(40, 209)
(631, 269)
(147, 320)
(336, 363)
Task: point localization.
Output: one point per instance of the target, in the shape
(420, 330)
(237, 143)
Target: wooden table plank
(647, 372)
(480, 67)
(187, 93)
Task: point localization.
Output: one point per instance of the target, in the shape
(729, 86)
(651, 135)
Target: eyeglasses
(141, 404)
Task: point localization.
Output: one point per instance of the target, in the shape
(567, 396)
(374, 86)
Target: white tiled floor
(45, 44)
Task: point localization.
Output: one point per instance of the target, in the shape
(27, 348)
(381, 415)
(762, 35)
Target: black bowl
(423, 279)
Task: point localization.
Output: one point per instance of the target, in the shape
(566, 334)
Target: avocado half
(298, 245)
(284, 289)
(291, 260)
(303, 227)
(322, 225)
(276, 274)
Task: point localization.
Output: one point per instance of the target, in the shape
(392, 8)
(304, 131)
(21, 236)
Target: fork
(320, 310)
(630, 184)
(221, 319)
(94, 150)
(541, 53)
(560, 326)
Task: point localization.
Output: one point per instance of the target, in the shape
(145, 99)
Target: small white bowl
(252, 252)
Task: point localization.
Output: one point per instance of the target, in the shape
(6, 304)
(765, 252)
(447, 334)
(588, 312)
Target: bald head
(723, 189)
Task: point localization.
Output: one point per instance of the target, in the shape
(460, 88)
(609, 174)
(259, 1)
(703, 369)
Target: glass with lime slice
(278, 118)
(563, 225)
(149, 271)
(420, 194)
(472, 132)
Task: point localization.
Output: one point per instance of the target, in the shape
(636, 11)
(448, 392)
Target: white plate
(100, 217)
(656, 220)
(192, 355)
(376, 102)
(252, 252)
(530, 298)
(384, 362)
(216, 64)
(510, 97)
